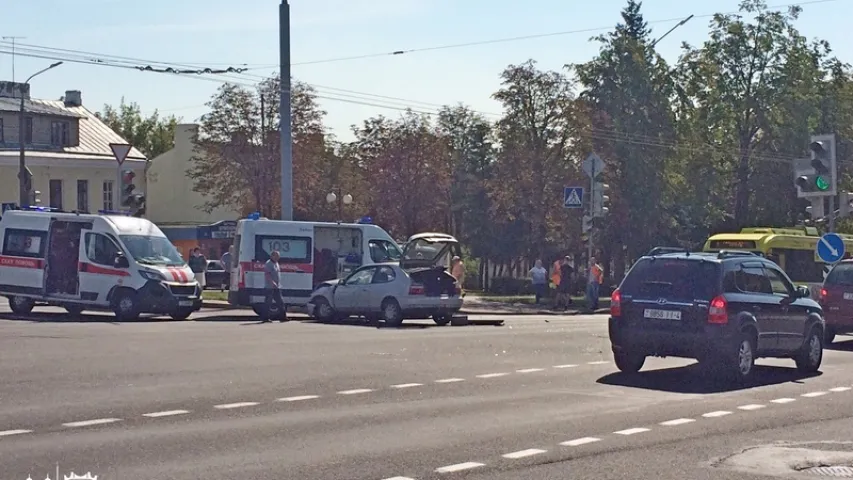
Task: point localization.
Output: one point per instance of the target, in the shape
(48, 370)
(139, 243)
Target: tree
(152, 135)
(237, 161)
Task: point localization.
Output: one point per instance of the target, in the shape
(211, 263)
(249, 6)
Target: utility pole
(13, 39)
(24, 181)
(285, 113)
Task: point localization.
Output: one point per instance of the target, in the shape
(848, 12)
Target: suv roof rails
(735, 253)
(664, 250)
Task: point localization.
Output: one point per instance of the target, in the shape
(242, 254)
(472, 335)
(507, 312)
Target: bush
(511, 286)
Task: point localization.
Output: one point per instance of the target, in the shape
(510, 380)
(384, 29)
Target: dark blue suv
(724, 309)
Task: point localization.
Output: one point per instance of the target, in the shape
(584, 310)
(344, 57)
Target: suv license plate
(185, 303)
(848, 296)
(662, 314)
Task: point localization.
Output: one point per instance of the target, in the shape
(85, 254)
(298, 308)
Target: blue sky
(246, 32)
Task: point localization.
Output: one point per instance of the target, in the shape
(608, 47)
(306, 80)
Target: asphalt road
(224, 397)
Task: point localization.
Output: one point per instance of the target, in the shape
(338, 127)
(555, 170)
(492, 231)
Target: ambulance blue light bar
(254, 216)
(40, 209)
(365, 220)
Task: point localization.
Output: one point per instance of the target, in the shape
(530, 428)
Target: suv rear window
(672, 278)
(842, 274)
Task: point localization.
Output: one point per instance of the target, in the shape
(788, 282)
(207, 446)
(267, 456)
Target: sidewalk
(474, 305)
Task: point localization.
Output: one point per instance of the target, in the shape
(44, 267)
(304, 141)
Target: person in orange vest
(457, 269)
(594, 281)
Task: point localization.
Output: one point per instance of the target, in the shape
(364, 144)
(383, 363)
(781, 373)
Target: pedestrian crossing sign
(573, 197)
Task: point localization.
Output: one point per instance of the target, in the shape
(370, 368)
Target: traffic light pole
(589, 247)
(117, 192)
(831, 223)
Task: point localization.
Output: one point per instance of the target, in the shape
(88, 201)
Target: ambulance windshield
(149, 250)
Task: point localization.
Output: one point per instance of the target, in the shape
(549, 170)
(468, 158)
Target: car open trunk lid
(426, 250)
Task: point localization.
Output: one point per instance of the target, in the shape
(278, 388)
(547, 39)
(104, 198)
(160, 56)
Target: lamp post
(345, 200)
(24, 182)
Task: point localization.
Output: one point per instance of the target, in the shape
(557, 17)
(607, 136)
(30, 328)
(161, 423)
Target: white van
(93, 262)
(311, 253)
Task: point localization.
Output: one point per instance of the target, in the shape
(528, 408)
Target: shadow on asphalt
(352, 322)
(694, 379)
(61, 317)
(841, 344)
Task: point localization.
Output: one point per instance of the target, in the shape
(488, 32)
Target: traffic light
(127, 187)
(587, 224)
(601, 199)
(35, 197)
(817, 177)
(845, 204)
(138, 205)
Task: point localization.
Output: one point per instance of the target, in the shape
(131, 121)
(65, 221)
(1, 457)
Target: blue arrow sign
(573, 197)
(830, 248)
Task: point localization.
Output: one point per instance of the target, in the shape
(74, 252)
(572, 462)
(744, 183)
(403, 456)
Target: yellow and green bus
(793, 249)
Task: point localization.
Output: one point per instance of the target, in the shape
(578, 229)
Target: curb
(218, 304)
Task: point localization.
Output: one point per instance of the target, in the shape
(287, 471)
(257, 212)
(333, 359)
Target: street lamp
(345, 200)
(24, 181)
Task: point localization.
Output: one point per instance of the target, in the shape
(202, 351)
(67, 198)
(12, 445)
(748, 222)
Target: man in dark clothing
(565, 287)
(272, 290)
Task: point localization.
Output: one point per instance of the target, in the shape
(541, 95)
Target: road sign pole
(831, 224)
(120, 152)
(591, 214)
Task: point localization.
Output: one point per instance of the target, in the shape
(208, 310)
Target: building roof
(95, 135)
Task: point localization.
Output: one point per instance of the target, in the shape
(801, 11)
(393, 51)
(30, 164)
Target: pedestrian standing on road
(457, 269)
(272, 287)
(567, 272)
(198, 264)
(539, 279)
(594, 281)
(227, 259)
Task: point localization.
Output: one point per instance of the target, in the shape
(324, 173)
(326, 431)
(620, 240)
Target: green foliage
(152, 135)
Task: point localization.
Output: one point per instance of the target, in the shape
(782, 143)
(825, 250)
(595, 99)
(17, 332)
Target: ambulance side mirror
(121, 261)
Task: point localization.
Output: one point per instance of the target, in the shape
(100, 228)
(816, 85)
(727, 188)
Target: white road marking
(718, 413)
(752, 406)
(631, 431)
(298, 398)
(523, 453)
(400, 478)
(354, 392)
(565, 366)
(407, 385)
(600, 362)
(459, 467)
(580, 441)
(678, 421)
(492, 375)
(813, 394)
(7, 433)
(450, 380)
(167, 413)
(784, 400)
(89, 423)
(529, 370)
(226, 406)
(839, 389)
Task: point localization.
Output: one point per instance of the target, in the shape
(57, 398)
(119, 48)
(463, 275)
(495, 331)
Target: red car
(836, 299)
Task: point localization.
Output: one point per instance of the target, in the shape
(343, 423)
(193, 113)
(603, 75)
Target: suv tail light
(416, 290)
(823, 294)
(616, 304)
(718, 311)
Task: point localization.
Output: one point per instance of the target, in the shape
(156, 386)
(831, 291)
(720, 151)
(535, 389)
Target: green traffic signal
(821, 183)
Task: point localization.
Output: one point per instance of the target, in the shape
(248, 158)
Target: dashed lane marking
(753, 406)
(450, 380)
(492, 375)
(718, 413)
(839, 389)
(580, 441)
(600, 362)
(89, 423)
(228, 406)
(565, 366)
(355, 391)
(297, 398)
(813, 394)
(407, 385)
(400, 478)
(523, 453)
(632, 431)
(678, 421)
(9, 433)
(784, 400)
(530, 370)
(459, 467)
(167, 413)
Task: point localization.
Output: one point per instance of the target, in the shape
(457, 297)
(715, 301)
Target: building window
(56, 194)
(28, 130)
(2, 138)
(59, 134)
(108, 195)
(82, 195)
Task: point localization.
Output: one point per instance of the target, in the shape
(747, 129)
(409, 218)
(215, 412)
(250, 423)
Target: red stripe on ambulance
(21, 262)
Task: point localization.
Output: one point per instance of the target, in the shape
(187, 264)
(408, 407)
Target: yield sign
(120, 151)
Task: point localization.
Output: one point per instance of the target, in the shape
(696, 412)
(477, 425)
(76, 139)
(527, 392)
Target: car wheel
(21, 305)
(811, 355)
(743, 361)
(629, 362)
(392, 313)
(441, 320)
(181, 314)
(829, 336)
(323, 311)
(74, 310)
(125, 307)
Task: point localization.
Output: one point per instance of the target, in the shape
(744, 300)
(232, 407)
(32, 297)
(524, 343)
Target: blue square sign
(573, 197)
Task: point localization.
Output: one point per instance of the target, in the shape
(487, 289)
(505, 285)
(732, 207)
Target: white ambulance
(311, 253)
(93, 262)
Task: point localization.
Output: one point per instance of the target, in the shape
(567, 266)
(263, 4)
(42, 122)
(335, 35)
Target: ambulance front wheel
(125, 306)
(21, 305)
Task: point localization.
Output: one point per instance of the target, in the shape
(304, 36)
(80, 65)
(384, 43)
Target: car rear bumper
(432, 306)
(838, 321)
(708, 341)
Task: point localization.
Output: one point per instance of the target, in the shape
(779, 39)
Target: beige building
(171, 198)
(67, 152)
